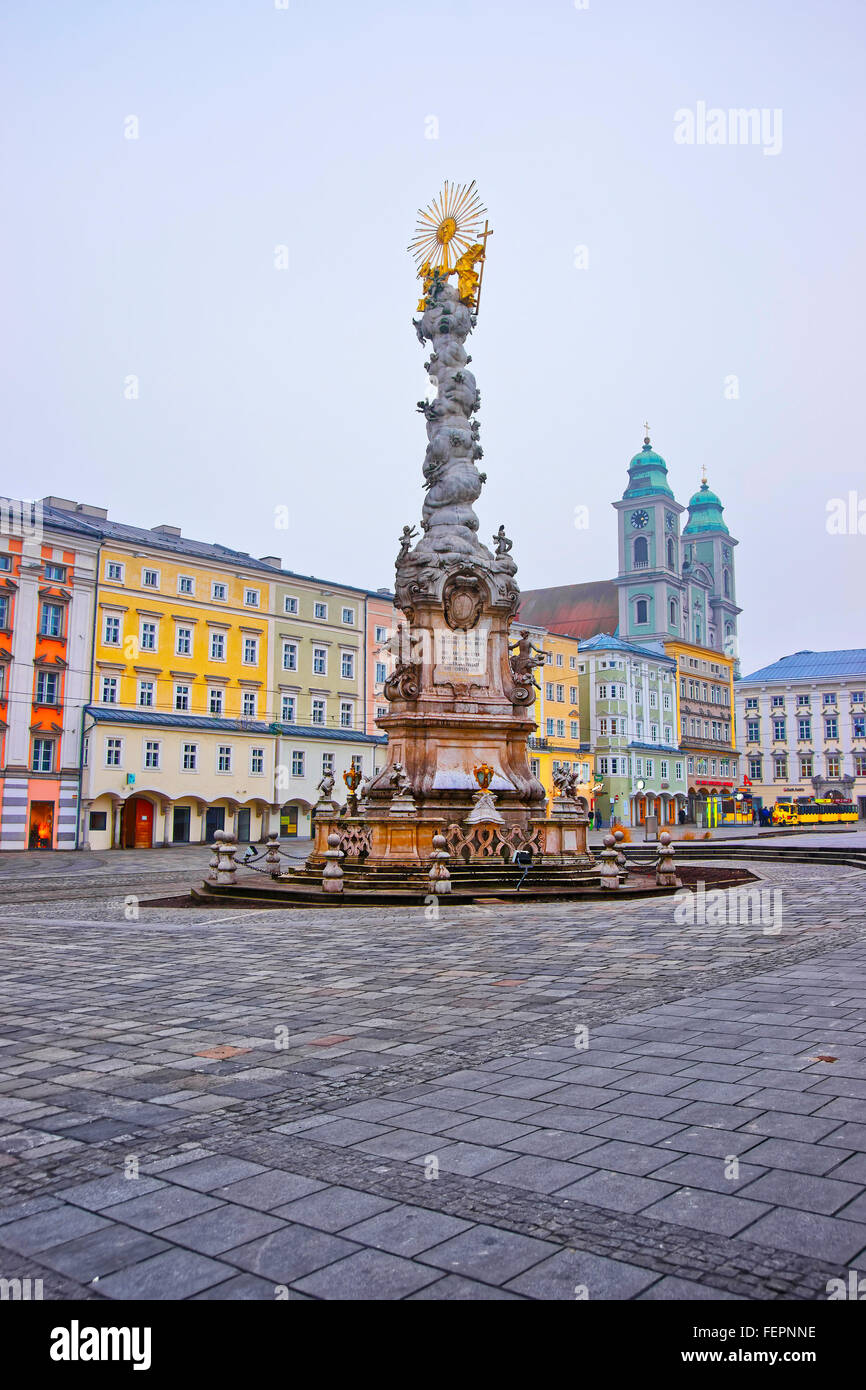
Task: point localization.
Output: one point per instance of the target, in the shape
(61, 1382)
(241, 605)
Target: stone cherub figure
(502, 543)
(526, 657)
(565, 782)
(326, 786)
(399, 779)
(408, 535)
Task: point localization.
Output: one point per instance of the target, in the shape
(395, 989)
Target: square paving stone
(848, 1136)
(636, 1129)
(30, 1206)
(707, 1211)
(856, 1210)
(567, 1118)
(369, 1275)
(247, 1288)
(101, 1252)
(400, 1143)
(47, 1228)
(563, 1274)
(343, 1133)
(215, 1231)
(496, 1108)
(715, 1143)
(430, 1119)
(488, 1254)
(206, 1173)
(685, 1290)
(636, 1103)
(468, 1159)
(617, 1191)
(107, 1192)
(268, 1189)
(454, 1288)
(806, 1233)
(796, 1102)
(804, 1191)
(371, 1110)
(852, 1170)
(173, 1274)
(554, 1143)
(160, 1208)
(333, 1208)
(623, 1157)
(799, 1158)
(535, 1174)
(289, 1254)
(488, 1131)
(581, 1097)
(406, 1230)
(705, 1170)
(777, 1124)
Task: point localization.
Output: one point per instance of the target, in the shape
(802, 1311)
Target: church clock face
(670, 521)
(640, 519)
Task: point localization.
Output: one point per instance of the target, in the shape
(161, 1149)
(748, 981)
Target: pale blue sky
(306, 127)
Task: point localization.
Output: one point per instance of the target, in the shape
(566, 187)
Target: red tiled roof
(575, 610)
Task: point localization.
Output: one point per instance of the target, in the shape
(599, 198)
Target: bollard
(440, 877)
(214, 861)
(227, 848)
(332, 874)
(666, 869)
(272, 857)
(609, 864)
(620, 857)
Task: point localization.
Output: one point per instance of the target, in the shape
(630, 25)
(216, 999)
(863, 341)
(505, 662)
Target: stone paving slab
(399, 1124)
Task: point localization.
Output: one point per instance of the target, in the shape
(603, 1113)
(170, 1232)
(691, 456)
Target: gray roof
(100, 528)
(111, 714)
(813, 666)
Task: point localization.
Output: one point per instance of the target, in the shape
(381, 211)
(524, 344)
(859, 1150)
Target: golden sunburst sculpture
(449, 239)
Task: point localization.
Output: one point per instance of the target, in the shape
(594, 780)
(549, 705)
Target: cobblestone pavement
(225, 1105)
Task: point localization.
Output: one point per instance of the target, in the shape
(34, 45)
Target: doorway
(138, 824)
(41, 825)
(180, 826)
(288, 821)
(243, 825)
(215, 819)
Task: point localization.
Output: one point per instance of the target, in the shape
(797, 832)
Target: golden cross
(484, 235)
(704, 474)
(646, 426)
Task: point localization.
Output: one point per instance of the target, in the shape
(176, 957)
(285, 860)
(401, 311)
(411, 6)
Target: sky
(209, 324)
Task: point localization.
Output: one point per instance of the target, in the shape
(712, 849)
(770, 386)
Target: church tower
(650, 580)
(708, 567)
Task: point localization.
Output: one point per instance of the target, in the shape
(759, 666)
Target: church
(668, 618)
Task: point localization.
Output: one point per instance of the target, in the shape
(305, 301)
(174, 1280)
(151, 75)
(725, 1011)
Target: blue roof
(111, 714)
(805, 665)
(604, 642)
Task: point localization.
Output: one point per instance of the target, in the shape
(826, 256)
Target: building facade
(557, 744)
(802, 727)
(47, 582)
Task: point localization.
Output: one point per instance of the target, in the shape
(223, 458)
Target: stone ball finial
(334, 840)
(664, 838)
(618, 835)
(439, 842)
(609, 842)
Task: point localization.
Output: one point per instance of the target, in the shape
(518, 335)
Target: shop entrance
(41, 825)
(215, 819)
(180, 826)
(138, 824)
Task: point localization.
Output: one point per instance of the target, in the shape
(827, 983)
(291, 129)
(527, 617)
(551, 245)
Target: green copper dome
(647, 473)
(705, 512)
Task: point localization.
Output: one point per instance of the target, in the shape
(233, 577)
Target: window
(147, 637)
(114, 752)
(641, 553)
(290, 656)
(150, 579)
(381, 672)
(549, 728)
(678, 771)
(318, 713)
(560, 728)
(778, 702)
(349, 616)
(111, 630)
(806, 766)
(215, 699)
(151, 753)
(251, 598)
(649, 767)
(834, 765)
(4, 611)
(638, 767)
(47, 687)
(672, 614)
(251, 651)
(859, 726)
(653, 700)
(575, 731)
(669, 734)
(43, 756)
(290, 604)
(560, 692)
(602, 692)
(109, 690)
(85, 751)
(860, 764)
(250, 701)
(297, 763)
(829, 697)
(113, 570)
(327, 763)
(641, 611)
(98, 820)
(189, 758)
(183, 641)
(145, 693)
(347, 714)
(51, 622)
(217, 646)
(257, 762)
(559, 659)
(287, 712)
(857, 697)
(780, 768)
(664, 770)
(320, 661)
(381, 634)
(320, 610)
(347, 666)
(548, 690)
(181, 697)
(185, 584)
(831, 727)
(804, 728)
(602, 766)
(572, 694)
(55, 572)
(779, 730)
(224, 757)
(218, 591)
(381, 710)
(534, 767)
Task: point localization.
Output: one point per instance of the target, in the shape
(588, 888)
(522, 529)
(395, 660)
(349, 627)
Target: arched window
(727, 583)
(673, 612)
(641, 611)
(672, 564)
(641, 552)
(698, 630)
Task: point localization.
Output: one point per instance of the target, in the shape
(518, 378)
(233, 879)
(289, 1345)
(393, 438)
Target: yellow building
(705, 723)
(557, 742)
